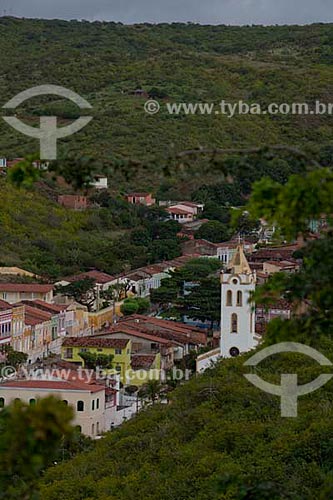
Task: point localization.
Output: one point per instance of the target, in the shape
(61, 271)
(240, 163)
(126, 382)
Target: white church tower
(237, 315)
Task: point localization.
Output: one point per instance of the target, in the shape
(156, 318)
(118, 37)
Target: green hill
(43, 237)
(105, 62)
(220, 438)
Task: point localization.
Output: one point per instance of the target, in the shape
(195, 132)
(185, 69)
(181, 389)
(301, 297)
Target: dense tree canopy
(213, 231)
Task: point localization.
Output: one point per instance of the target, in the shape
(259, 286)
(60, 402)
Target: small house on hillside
(145, 199)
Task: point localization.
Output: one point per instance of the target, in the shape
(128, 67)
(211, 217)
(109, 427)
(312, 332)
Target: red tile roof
(56, 385)
(45, 306)
(134, 332)
(256, 266)
(94, 342)
(174, 210)
(180, 261)
(156, 268)
(274, 253)
(24, 287)
(282, 264)
(281, 304)
(98, 276)
(138, 275)
(170, 330)
(148, 271)
(4, 306)
(205, 242)
(34, 316)
(142, 361)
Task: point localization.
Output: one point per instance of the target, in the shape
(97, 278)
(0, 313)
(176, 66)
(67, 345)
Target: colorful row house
(38, 328)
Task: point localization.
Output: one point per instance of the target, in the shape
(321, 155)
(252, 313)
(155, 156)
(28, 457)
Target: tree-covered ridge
(47, 239)
(105, 62)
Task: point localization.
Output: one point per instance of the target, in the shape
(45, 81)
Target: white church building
(237, 313)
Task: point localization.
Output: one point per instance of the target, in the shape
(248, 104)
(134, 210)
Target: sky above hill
(201, 11)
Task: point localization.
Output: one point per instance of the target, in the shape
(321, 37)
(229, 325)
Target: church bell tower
(237, 314)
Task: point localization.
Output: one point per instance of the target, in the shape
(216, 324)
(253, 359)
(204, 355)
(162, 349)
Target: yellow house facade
(132, 369)
(120, 349)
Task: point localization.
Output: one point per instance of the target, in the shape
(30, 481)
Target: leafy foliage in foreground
(293, 206)
(30, 439)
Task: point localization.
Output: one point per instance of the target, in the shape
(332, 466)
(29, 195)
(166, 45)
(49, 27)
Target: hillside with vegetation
(106, 62)
(41, 236)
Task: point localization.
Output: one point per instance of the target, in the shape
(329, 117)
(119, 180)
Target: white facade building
(87, 400)
(100, 182)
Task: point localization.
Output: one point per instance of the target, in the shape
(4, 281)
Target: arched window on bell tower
(239, 298)
(234, 323)
(229, 298)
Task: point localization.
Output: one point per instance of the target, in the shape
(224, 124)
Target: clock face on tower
(234, 352)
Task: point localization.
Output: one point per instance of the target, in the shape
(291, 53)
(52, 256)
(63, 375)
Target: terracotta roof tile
(4, 306)
(45, 306)
(59, 385)
(138, 195)
(34, 316)
(281, 304)
(98, 276)
(179, 211)
(94, 342)
(131, 330)
(170, 330)
(142, 361)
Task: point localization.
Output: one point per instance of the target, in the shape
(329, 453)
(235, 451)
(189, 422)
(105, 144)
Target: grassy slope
(221, 438)
(39, 235)
(103, 61)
